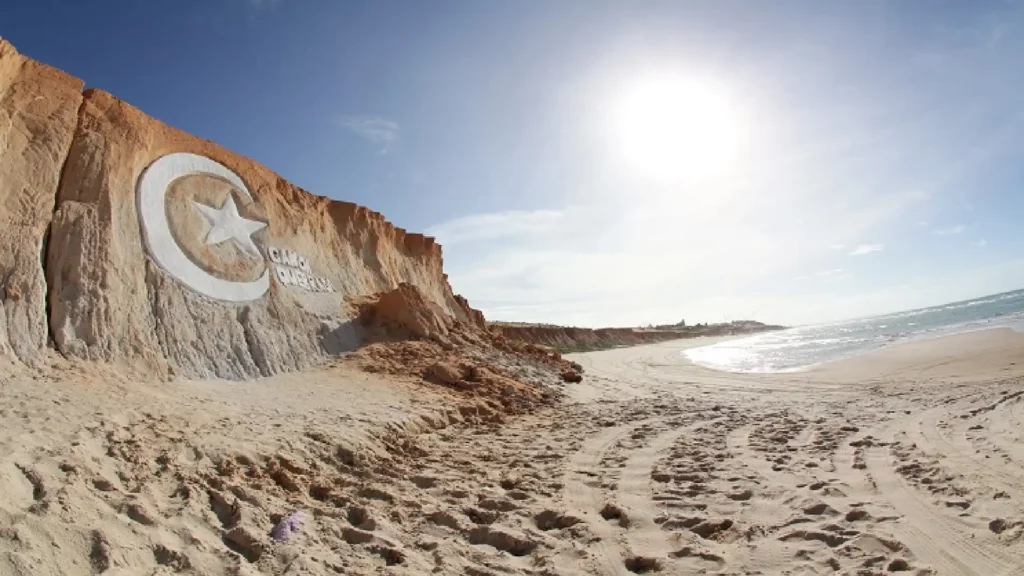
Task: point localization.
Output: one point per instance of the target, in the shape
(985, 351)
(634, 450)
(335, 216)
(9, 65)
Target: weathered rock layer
(220, 269)
(567, 339)
(38, 111)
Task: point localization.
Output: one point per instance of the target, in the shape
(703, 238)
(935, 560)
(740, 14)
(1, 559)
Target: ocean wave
(797, 348)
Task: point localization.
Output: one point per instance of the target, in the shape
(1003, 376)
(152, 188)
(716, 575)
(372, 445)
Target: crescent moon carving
(156, 230)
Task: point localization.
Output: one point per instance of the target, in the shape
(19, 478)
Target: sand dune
(909, 459)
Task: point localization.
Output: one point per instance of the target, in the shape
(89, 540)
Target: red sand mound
(411, 336)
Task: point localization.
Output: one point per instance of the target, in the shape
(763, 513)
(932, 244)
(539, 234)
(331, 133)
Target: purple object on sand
(288, 526)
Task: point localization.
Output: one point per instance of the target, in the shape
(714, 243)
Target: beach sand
(907, 459)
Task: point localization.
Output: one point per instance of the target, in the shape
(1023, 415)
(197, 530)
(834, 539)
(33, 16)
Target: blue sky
(877, 161)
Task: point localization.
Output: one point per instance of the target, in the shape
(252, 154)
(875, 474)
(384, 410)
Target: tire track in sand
(932, 536)
(634, 492)
(953, 446)
(583, 494)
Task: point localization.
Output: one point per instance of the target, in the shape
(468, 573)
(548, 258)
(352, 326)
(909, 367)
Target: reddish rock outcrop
(572, 376)
(567, 339)
(405, 313)
(413, 337)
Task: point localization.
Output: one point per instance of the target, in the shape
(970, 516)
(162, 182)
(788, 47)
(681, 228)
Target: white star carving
(227, 224)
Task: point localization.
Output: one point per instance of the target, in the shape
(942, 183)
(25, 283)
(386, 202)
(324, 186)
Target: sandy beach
(908, 459)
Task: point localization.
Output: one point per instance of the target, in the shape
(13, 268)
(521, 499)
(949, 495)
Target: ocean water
(796, 348)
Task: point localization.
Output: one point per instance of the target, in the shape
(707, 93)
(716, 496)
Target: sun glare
(672, 129)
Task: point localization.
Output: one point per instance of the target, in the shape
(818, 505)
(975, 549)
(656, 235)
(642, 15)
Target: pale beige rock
(38, 113)
(77, 270)
(110, 301)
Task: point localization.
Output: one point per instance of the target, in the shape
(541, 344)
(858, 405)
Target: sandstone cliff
(38, 107)
(566, 339)
(135, 243)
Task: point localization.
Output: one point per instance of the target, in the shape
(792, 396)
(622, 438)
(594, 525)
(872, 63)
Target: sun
(674, 129)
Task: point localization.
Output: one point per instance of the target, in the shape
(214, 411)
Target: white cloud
(601, 265)
(378, 131)
(496, 225)
(863, 249)
(981, 243)
(833, 274)
(958, 229)
(826, 275)
(838, 247)
(650, 255)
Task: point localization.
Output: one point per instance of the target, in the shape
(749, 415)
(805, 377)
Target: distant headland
(573, 339)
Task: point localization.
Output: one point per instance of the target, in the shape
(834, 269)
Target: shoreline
(975, 355)
(912, 450)
(925, 337)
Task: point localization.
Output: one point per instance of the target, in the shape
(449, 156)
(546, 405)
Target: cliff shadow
(341, 337)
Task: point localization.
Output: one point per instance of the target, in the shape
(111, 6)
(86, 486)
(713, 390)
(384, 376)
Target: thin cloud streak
(375, 129)
(477, 227)
(867, 249)
(958, 229)
(834, 273)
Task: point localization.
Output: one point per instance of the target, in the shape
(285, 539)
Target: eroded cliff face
(565, 339)
(135, 243)
(38, 111)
